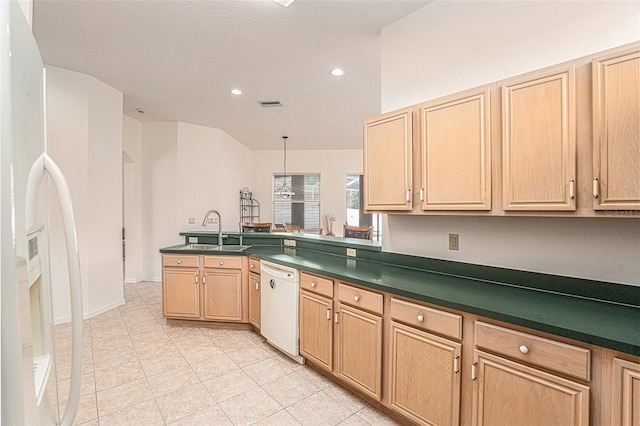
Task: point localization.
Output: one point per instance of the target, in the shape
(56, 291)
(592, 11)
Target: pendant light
(284, 191)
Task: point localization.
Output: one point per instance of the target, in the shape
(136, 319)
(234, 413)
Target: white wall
(212, 169)
(159, 194)
(132, 197)
(186, 171)
(84, 131)
(333, 166)
(447, 47)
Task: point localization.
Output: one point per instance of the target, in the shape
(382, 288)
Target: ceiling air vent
(270, 104)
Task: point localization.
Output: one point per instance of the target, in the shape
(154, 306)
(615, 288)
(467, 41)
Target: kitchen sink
(230, 247)
(212, 247)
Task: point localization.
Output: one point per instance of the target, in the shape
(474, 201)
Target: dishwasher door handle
(272, 283)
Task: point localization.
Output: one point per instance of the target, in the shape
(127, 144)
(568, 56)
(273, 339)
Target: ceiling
(179, 59)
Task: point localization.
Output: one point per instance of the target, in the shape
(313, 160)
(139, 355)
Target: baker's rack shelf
(249, 208)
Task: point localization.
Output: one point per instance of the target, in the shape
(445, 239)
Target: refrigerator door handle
(44, 164)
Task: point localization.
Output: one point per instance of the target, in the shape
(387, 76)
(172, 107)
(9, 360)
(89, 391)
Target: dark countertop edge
(311, 238)
(597, 340)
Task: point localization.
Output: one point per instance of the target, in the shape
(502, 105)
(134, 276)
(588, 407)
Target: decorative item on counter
(327, 224)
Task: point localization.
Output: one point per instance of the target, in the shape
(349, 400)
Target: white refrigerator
(30, 184)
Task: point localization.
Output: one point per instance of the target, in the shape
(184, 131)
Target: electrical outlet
(212, 220)
(454, 242)
(193, 240)
(351, 252)
(192, 220)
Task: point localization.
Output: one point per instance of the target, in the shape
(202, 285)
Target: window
(354, 203)
(303, 208)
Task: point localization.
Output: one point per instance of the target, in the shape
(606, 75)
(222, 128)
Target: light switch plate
(289, 243)
(351, 252)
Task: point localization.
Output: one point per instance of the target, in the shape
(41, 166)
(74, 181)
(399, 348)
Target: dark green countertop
(603, 323)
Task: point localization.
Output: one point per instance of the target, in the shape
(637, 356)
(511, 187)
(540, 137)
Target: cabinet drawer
(315, 284)
(254, 265)
(561, 357)
(427, 319)
(361, 298)
(223, 262)
(180, 260)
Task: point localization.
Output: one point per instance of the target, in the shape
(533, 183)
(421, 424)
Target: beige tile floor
(139, 371)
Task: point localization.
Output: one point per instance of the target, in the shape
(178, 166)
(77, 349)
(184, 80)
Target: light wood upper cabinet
(616, 132)
(626, 393)
(539, 142)
(388, 159)
(455, 141)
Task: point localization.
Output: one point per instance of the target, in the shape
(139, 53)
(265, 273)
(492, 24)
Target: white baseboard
(132, 280)
(88, 315)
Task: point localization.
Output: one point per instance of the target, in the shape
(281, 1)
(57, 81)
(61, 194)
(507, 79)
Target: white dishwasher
(279, 308)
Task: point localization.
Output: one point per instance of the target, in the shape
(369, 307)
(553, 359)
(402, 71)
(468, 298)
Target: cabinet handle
(335, 318)
(596, 188)
(221, 263)
(257, 285)
(524, 349)
(408, 195)
(313, 285)
(420, 318)
(456, 368)
(421, 194)
(328, 314)
(251, 266)
(356, 298)
(196, 278)
(179, 261)
(572, 190)
(473, 371)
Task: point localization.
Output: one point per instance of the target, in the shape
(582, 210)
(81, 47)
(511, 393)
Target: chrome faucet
(204, 223)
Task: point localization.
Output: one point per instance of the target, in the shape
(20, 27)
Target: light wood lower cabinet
(360, 349)
(510, 393)
(181, 292)
(254, 300)
(625, 401)
(424, 376)
(203, 287)
(316, 329)
(222, 294)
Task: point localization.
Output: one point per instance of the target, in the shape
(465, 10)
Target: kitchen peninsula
(475, 323)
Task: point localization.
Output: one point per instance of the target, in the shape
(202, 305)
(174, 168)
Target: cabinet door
(181, 293)
(387, 161)
(509, 393)
(456, 152)
(616, 132)
(626, 393)
(539, 142)
(254, 300)
(424, 376)
(360, 350)
(222, 294)
(316, 329)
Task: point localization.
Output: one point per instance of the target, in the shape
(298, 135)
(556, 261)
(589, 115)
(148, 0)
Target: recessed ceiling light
(285, 3)
(236, 91)
(337, 72)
